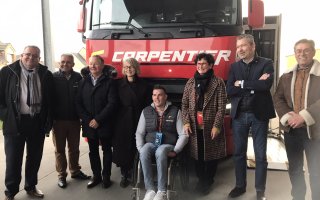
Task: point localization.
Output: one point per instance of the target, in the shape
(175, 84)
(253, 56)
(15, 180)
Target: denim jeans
(147, 153)
(297, 142)
(241, 127)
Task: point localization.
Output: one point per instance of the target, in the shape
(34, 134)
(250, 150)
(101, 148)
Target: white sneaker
(149, 195)
(161, 195)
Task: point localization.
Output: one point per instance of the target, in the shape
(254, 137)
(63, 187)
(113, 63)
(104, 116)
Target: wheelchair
(177, 169)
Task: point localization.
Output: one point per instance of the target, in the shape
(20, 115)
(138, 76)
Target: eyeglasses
(128, 67)
(303, 51)
(30, 55)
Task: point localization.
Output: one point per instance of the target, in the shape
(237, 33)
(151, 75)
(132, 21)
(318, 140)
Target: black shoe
(261, 196)
(8, 198)
(198, 187)
(124, 182)
(35, 193)
(106, 183)
(94, 181)
(62, 182)
(81, 176)
(237, 191)
(207, 187)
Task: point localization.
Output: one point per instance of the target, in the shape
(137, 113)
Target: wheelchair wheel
(184, 176)
(135, 170)
(183, 167)
(171, 186)
(134, 196)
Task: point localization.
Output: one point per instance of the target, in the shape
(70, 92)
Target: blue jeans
(297, 142)
(147, 153)
(241, 126)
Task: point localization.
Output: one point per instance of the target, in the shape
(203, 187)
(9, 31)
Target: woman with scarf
(203, 108)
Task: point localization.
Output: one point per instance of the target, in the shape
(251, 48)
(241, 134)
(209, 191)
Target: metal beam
(47, 39)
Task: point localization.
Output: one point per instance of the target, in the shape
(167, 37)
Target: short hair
(33, 47)
(159, 87)
(134, 63)
(207, 56)
(68, 55)
(101, 60)
(306, 41)
(247, 37)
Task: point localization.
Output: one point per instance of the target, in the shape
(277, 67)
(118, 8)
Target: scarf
(202, 82)
(33, 89)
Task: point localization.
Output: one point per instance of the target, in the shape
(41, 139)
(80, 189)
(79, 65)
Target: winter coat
(97, 102)
(10, 98)
(132, 102)
(283, 100)
(65, 91)
(213, 115)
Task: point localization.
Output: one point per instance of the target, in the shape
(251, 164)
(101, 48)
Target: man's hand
(172, 154)
(295, 121)
(237, 83)
(264, 76)
(93, 124)
(187, 129)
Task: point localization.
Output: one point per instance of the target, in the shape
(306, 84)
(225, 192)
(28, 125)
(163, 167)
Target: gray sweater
(141, 132)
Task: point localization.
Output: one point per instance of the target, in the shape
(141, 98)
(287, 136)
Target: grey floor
(278, 184)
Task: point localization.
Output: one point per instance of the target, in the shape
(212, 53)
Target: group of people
(296, 101)
(127, 116)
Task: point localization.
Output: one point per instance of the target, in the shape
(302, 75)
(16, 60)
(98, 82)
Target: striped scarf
(34, 89)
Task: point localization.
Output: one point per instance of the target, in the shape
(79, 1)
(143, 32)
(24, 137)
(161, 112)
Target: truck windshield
(162, 13)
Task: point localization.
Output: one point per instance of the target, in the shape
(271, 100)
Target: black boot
(125, 174)
(124, 182)
(106, 182)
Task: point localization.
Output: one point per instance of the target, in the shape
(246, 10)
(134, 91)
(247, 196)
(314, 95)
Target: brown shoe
(35, 193)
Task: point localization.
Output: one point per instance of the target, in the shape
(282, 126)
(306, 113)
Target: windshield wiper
(127, 24)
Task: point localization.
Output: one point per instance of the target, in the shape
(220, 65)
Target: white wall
(300, 19)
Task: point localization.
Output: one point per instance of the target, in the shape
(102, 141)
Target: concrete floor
(278, 184)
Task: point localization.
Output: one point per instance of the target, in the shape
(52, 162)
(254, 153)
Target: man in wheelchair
(159, 134)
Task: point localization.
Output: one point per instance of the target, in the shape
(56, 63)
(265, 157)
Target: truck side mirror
(255, 13)
(81, 27)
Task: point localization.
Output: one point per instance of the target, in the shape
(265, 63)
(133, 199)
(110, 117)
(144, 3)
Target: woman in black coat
(134, 95)
(96, 105)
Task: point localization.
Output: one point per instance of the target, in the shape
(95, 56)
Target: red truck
(165, 35)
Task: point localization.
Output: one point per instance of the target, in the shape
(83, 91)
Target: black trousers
(14, 149)
(205, 170)
(94, 157)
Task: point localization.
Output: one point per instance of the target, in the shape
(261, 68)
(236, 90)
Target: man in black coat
(25, 109)
(248, 86)
(96, 104)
